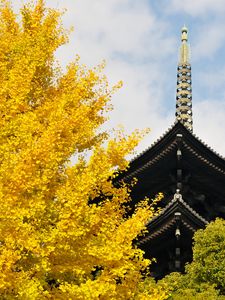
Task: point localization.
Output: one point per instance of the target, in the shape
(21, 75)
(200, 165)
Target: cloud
(197, 7)
(135, 45)
(209, 125)
(115, 28)
(210, 38)
(213, 81)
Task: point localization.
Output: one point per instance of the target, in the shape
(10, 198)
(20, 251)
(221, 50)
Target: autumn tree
(63, 234)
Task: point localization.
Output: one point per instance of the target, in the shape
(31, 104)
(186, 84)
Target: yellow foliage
(56, 240)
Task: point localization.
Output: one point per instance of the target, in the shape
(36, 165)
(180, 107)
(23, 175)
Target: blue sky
(139, 39)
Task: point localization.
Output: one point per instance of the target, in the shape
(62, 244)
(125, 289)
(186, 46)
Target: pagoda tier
(180, 160)
(169, 234)
(177, 161)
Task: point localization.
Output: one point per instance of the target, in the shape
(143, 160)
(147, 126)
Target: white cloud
(134, 43)
(209, 125)
(115, 27)
(213, 80)
(210, 37)
(197, 7)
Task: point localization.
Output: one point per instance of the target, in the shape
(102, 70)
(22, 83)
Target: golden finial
(184, 49)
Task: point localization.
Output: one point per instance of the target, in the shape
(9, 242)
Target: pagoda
(190, 175)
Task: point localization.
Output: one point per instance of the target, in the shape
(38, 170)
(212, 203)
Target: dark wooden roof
(164, 145)
(167, 219)
(203, 172)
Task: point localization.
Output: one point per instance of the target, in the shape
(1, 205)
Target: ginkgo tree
(56, 240)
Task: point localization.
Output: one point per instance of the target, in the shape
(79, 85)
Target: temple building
(191, 176)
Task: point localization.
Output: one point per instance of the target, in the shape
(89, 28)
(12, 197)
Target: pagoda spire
(184, 90)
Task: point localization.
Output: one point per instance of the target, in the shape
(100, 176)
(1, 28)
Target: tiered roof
(201, 169)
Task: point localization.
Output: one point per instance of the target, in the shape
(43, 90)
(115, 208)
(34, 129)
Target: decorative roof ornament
(184, 90)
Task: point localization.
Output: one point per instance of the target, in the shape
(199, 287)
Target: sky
(140, 40)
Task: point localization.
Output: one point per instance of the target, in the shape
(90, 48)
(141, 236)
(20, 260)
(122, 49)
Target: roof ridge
(166, 132)
(178, 198)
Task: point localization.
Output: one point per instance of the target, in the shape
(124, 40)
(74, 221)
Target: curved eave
(166, 220)
(181, 206)
(168, 142)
